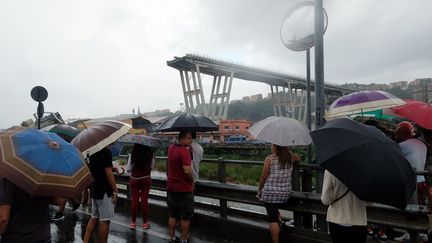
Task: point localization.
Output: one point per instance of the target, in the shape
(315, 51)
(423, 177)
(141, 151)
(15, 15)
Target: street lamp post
(319, 63)
(39, 94)
(303, 28)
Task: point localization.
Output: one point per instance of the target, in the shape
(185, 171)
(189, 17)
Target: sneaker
(145, 225)
(403, 238)
(174, 240)
(423, 237)
(132, 225)
(370, 232)
(382, 237)
(58, 216)
(75, 207)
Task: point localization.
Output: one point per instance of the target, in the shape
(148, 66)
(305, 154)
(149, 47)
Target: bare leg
(274, 232)
(84, 197)
(103, 231)
(185, 227)
(89, 230)
(429, 196)
(62, 205)
(171, 227)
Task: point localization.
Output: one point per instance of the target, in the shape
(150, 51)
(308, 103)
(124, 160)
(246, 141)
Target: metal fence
(304, 204)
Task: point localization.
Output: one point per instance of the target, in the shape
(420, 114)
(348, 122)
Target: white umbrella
(282, 131)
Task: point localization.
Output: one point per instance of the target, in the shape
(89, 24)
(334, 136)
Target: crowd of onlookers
(23, 217)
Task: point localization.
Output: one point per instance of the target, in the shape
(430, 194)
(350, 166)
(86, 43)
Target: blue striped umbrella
(42, 163)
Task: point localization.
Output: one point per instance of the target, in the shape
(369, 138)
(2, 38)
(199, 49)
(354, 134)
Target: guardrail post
(321, 219)
(307, 187)
(223, 206)
(296, 187)
(414, 237)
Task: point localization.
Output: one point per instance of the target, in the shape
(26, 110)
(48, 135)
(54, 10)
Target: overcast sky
(102, 58)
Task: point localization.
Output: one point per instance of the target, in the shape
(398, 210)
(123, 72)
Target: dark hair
(371, 122)
(141, 156)
(427, 135)
(193, 135)
(183, 134)
(284, 156)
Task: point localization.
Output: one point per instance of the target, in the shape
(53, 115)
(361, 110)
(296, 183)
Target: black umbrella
(188, 122)
(369, 163)
(64, 131)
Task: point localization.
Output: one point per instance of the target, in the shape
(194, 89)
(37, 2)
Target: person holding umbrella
(140, 164)
(197, 153)
(35, 168)
(180, 186)
(275, 185)
(23, 217)
(67, 133)
(427, 138)
(346, 214)
(415, 152)
(103, 193)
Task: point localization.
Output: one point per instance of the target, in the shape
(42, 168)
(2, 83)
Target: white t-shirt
(415, 152)
(197, 153)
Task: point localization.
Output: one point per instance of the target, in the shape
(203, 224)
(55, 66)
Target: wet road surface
(73, 226)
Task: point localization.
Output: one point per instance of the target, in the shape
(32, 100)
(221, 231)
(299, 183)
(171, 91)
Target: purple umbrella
(362, 101)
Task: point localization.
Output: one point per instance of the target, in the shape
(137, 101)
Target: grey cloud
(101, 58)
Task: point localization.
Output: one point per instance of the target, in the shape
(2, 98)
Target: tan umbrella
(93, 139)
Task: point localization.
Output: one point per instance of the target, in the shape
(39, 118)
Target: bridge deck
(215, 67)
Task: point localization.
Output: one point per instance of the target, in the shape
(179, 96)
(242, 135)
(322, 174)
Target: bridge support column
(290, 102)
(193, 90)
(220, 97)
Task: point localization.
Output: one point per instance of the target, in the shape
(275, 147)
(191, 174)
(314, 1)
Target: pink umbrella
(416, 111)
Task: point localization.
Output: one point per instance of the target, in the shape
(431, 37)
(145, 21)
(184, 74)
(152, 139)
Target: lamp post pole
(319, 63)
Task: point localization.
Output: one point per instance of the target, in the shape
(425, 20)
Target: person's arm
(295, 158)
(186, 164)
(264, 175)
(6, 192)
(4, 217)
(111, 180)
(129, 164)
(187, 169)
(327, 190)
(153, 162)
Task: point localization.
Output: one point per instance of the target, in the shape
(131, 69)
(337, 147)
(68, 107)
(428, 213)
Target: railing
(304, 203)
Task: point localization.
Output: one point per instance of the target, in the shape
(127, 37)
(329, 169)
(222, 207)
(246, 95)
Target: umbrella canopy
(282, 131)
(362, 101)
(116, 148)
(141, 139)
(369, 163)
(42, 163)
(64, 131)
(93, 139)
(416, 111)
(188, 122)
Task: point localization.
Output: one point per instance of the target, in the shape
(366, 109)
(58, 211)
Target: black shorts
(273, 211)
(180, 205)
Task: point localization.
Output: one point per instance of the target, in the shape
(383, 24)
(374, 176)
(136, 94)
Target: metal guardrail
(303, 203)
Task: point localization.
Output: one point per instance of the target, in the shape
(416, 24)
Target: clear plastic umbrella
(282, 131)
